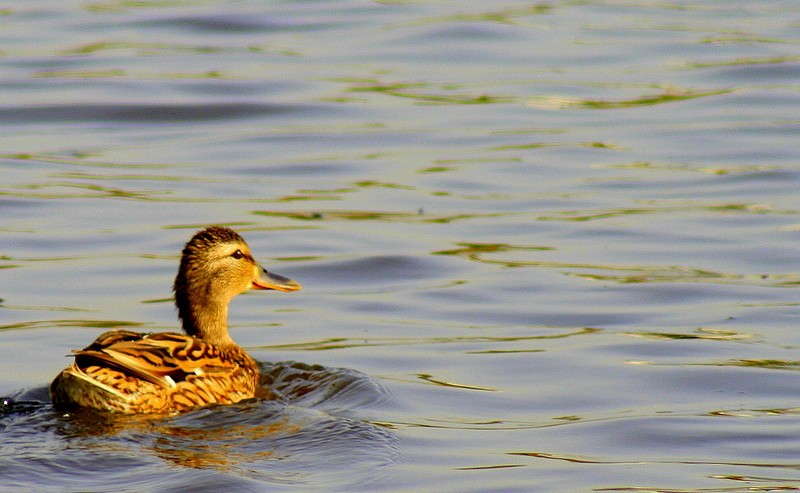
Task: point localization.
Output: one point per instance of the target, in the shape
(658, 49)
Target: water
(544, 247)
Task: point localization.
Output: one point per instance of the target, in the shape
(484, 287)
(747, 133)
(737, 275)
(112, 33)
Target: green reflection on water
(743, 38)
(381, 184)
(701, 333)
(78, 158)
(347, 343)
(722, 208)
(436, 169)
(478, 160)
(94, 324)
(472, 250)
(81, 74)
(506, 351)
(745, 61)
(418, 216)
(158, 300)
(567, 458)
(483, 468)
(748, 480)
(145, 48)
(670, 95)
(714, 170)
(121, 5)
(77, 175)
(43, 308)
(305, 198)
(540, 145)
(504, 16)
(6, 258)
(772, 364)
(623, 274)
(643, 274)
(106, 74)
(411, 90)
(443, 383)
(88, 191)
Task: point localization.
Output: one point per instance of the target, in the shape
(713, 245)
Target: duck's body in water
(131, 372)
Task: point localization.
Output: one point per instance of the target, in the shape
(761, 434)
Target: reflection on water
(418, 216)
(670, 95)
(307, 435)
(629, 273)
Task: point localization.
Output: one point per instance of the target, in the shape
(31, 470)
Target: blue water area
(543, 246)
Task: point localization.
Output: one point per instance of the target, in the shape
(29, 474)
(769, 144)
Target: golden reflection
(218, 448)
(198, 440)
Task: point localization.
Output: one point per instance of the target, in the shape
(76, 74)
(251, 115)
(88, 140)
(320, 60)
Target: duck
(168, 373)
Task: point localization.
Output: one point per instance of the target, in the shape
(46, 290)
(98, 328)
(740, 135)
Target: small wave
(153, 113)
(309, 433)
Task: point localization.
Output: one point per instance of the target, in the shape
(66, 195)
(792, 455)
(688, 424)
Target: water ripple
(153, 113)
(311, 434)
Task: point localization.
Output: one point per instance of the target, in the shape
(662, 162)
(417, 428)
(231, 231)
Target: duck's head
(216, 265)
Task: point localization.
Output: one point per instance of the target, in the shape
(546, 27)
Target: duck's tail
(74, 387)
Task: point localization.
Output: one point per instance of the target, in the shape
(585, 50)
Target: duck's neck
(206, 319)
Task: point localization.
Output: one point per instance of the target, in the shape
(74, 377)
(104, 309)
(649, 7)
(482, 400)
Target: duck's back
(132, 372)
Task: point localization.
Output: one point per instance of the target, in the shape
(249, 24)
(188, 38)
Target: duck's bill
(268, 280)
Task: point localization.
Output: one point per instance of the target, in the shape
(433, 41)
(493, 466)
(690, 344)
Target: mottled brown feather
(131, 372)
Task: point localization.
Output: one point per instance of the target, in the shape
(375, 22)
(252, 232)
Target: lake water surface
(544, 246)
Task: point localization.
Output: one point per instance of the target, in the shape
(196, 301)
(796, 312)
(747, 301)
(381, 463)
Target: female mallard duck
(131, 372)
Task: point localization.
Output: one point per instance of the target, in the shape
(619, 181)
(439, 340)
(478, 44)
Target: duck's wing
(163, 359)
(154, 373)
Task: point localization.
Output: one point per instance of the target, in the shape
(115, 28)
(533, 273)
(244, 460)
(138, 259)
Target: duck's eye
(237, 255)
